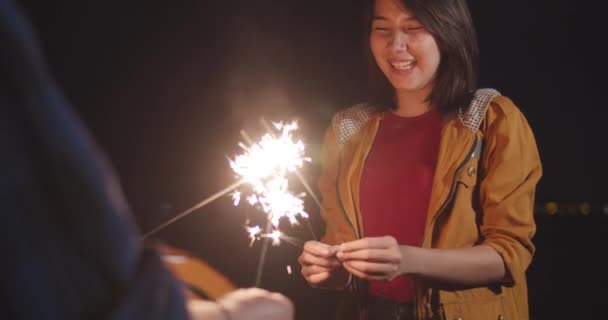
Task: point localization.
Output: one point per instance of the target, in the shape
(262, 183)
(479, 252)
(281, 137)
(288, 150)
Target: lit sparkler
(272, 156)
(264, 166)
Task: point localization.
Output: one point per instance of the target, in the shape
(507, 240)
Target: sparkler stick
(258, 274)
(305, 184)
(292, 241)
(275, 236)
(314, 235)
(195, 207)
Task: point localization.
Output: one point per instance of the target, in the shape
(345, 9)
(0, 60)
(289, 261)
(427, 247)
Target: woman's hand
(319, 263)
(373, 258)
(243, 304)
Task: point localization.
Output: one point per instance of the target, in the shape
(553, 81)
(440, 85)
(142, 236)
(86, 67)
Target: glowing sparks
(264, 166)
(236, 198)
(254, 232)
(271, 156)
(275, 236)
(279, 203)
(252, 199)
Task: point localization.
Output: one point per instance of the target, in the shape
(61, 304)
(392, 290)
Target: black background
(166, 86)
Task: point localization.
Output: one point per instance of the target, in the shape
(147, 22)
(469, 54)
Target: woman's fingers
(369, 272)
(372, 255)
(306, 259)
(314, 269)
(318, 278)
(372, 268)
(320, 249)
(368, 243)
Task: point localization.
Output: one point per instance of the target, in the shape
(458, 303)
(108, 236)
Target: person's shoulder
(347, 122)
(504, 105)
(489, 102)
(491, 108)
(504, 113)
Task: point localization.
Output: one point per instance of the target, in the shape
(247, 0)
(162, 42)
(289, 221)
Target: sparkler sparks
(254, 232)
(272, 156)
(275, 236)
(264, 166)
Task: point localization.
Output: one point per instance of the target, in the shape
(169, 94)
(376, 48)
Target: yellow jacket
(472, 202)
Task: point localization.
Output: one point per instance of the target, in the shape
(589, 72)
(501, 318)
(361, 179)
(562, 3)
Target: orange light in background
(551, 208)
(585, 208)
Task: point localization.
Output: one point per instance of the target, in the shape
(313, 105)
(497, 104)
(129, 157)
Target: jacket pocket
(487, 308)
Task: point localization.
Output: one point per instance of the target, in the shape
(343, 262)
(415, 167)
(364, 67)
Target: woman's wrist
(411, 260)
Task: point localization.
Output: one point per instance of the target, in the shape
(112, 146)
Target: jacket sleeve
(512, 167)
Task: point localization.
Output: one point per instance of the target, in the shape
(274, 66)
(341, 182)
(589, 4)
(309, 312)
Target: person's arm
(513, 169)
(466, 266)
(382, 258)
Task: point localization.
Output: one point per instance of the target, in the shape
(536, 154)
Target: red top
(396, 187)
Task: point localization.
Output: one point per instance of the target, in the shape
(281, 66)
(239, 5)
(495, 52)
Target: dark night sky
(166, 86)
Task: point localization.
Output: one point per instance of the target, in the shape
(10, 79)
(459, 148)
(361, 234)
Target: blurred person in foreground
(71, 249)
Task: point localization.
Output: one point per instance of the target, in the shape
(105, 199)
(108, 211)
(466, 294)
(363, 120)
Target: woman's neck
(411, 104)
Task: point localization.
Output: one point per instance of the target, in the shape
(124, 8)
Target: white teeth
(403, 65)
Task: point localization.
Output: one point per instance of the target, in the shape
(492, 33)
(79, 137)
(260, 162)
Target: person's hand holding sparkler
(321, 267)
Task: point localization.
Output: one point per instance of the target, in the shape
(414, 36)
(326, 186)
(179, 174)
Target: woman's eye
(381, 29)
(413, 29)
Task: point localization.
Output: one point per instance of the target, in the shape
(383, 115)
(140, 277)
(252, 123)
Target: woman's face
(403, 48)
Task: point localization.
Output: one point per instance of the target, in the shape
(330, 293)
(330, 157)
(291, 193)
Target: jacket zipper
(449, 198)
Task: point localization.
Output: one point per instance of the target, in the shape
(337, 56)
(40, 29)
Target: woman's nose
(398, 42)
